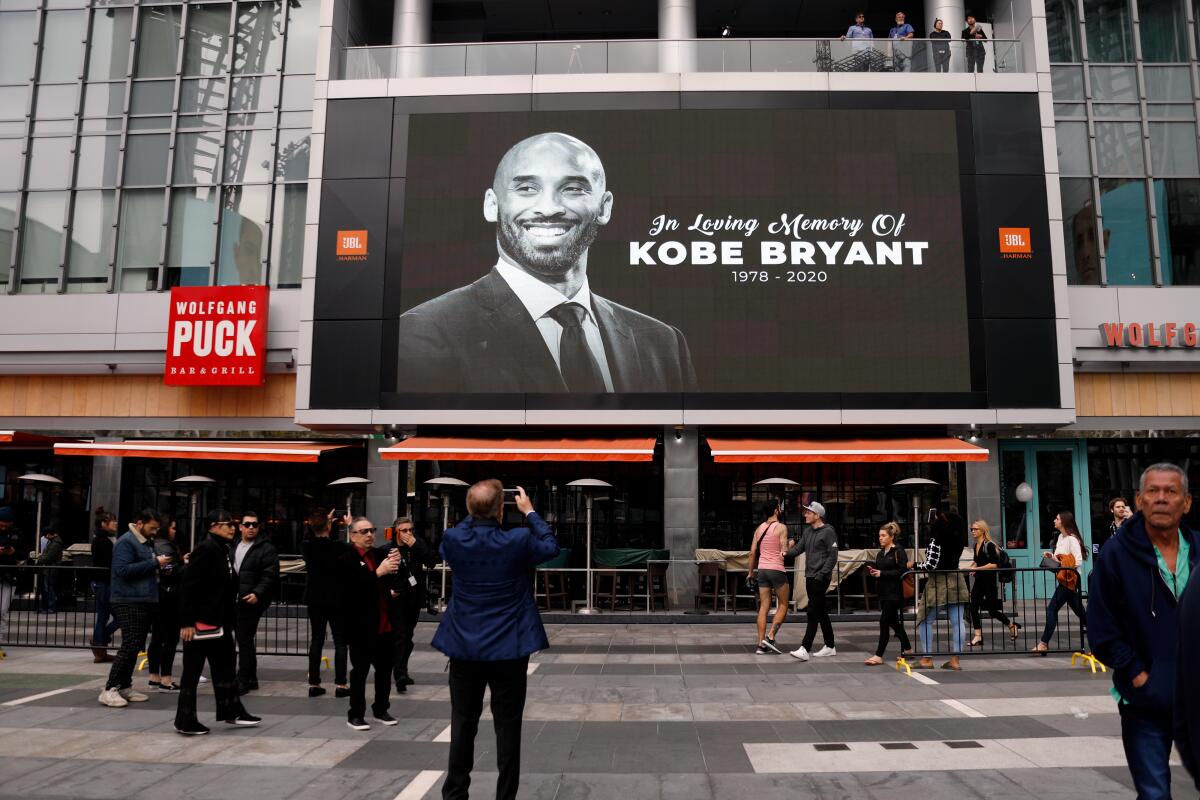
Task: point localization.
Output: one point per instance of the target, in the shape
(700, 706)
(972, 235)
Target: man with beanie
(818, 542)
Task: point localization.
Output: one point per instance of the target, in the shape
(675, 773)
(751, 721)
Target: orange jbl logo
(351, 244)
(1015, 240)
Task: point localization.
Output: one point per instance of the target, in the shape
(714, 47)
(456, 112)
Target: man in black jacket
(208, 595)
(1187, 693)
(366, 612)
(408, 595)
(257, 564)
(9, 546)
(321, 553)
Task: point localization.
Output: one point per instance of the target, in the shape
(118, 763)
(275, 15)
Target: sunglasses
(364, 530)
(249, 524)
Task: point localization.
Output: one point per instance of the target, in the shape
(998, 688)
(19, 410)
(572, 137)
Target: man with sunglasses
(367, 608)
(257, 564)
(408, 594)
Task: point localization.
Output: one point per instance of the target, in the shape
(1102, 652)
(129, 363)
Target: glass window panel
(104, 100)
(8, 231)
(1067, 83)
(1079, 231)
(193, 232)
(139, 238)
(1109, 34)
(10, 166)
(152, 97)
(207, 45)
(196, 157)
(1168, 83)
(202, 95)
(1163, 27)
(264, 120)
(1070, 110)
(207, 121)
(1126, 232)
(297, 93)
(242, 248)
(149, 123)
(1178, 204)
(41, 240)
(292, 163)
(12, 128)
(112, 29)
(55, 102)
(17, 5)
(146, 159)
(1062, 23)
(92, 235)
(99, 158)
(53, 127)
(295, 119)
(259, 48)
(1114, 84)
(248, 156)
(100, 125)
(287, 236)
(254, 94)
(303, 21)
(1173, 148)
(1119, 148)
(62, 46)
(1170, 111)
(16, 46)
(1116, 110)
(50, 163)
(158, 41)
(1072, 148)
(14, 101)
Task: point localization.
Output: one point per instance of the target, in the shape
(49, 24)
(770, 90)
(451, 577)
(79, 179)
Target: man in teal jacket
(490, 629)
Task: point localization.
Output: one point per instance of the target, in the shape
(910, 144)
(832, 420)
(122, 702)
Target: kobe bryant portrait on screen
(532, 323)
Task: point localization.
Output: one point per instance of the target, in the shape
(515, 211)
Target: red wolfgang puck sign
(217, 336)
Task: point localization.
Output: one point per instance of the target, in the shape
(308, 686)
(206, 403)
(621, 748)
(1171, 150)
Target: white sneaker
(799, 653)
(131, 696)
(203, 679)
(112, 698)
(825, 652)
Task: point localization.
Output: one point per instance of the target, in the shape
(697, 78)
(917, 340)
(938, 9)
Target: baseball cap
(816, 508)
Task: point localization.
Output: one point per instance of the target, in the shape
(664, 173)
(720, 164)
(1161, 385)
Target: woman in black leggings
(985, 589)
(889, 566)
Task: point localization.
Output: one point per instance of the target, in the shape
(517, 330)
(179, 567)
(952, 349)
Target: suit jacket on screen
(480, 338)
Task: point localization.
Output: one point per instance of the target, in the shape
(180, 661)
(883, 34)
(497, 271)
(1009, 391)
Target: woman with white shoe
(889, 567)
(767, 550)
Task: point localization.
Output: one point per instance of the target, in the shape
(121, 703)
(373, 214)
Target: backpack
(1005, 565)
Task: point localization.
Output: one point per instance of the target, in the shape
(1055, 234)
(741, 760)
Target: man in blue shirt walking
(901, 35)
(490, 629)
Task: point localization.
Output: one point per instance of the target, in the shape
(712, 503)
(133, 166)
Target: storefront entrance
(1057, 474)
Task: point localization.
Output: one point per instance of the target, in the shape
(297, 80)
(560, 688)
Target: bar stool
(712, 584)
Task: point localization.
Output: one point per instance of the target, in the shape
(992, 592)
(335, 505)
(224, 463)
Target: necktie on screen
(575, 361)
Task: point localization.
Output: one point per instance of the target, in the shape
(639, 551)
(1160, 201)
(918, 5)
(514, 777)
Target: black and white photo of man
(533, 323)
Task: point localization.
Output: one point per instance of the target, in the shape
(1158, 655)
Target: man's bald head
(485, 499)
(550, 146)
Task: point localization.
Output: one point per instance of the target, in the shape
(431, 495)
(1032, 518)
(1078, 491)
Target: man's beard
(515, 242)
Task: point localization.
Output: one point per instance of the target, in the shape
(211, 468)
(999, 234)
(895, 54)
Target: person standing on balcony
(861, 47)
(901, 36)
(941, 46)
(102, 550)
(975, 37)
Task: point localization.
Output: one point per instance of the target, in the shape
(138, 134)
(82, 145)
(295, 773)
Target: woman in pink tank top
(767, 551)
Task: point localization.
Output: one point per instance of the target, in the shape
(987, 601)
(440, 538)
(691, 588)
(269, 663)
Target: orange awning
(844, 450)
(264, 450)
(424, 448)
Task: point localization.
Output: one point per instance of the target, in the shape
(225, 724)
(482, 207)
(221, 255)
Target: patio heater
(41, 483)
(587, 485)
(350, 482)
(915, 486)
(443, 485)
(195, 484)
(784, 482)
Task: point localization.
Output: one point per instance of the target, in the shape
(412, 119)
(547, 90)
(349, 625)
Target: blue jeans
(1147, 739)
(103, 630)
(1064, 597)
(955, 615)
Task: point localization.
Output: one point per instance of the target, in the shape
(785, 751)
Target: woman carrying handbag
(767, 550)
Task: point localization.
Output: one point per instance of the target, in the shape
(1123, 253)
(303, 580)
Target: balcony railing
(698, 55)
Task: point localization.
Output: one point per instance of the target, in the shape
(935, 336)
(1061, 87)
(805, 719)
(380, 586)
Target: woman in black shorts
(767, 551)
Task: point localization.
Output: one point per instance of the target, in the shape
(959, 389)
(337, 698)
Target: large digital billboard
(823, 254)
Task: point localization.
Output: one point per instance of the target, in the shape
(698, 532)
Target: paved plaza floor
(614, 711)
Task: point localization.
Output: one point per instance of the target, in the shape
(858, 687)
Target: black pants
(247, 628)
(975, 59)
(134, 621)
(164, 635)
(941, 63)
(220, 655)
(468, 679)
(818, 614)
(985, 597)
(410, 612)
(366, 653)
(318, 618)
(889, 620)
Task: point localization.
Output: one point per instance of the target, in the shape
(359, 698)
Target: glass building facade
(144, 146)
(1125, 100)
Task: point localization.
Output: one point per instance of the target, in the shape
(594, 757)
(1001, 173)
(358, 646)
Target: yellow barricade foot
(325, 662)
(902, 664)
(142, 661)
(1089, 660)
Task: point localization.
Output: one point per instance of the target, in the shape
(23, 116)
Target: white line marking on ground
(444, 736)
(420, 785)
(532, 668)
(34, 697)
(921, 677)
(963, 708)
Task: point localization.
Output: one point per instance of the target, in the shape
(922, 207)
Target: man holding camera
(490, 629)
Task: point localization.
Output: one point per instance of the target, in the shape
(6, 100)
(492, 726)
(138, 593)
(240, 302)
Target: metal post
(194, 500)
(445, 525)
(590, 608)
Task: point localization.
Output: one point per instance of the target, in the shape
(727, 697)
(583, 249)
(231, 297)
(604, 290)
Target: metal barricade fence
(943, 626)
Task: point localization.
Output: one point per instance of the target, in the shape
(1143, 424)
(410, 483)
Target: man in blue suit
(490, 628)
